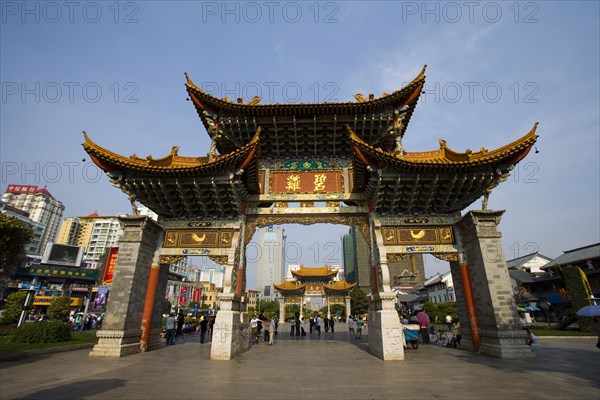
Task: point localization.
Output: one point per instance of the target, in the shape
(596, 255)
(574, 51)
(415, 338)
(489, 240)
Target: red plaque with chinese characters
(307, 182)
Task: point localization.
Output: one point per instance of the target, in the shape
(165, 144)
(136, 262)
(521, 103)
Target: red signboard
(307, 182)
(21, 189)
(183, 295)
(196, 296)
(111, 263)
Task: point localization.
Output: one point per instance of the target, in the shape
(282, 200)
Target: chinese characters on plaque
(307, 182)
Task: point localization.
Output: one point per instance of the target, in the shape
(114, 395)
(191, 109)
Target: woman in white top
(351, 326)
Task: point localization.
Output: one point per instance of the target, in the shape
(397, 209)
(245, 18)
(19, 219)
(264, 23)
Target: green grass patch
(542, 331)
(8, 346)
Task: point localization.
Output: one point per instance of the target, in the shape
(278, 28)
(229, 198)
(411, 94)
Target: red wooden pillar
(471, 310)
(149, 306)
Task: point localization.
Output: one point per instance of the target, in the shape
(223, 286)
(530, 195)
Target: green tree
(269, 307)
(59, 308)
(437, 311)
(444, 309)
(359, 303)
(167, 306)
(13, 307)
(291, 310)
(579, 290)
(337, 309)
(430, 309)
(14, 235)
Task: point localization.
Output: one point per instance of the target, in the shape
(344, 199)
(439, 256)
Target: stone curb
(566, 337)
(40, 352)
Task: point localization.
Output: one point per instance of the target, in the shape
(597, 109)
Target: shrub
(59, 308)
(13, 307)
(42, 332)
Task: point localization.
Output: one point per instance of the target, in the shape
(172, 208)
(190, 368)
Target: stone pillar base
(466, 341)
(386, 340)
(231, 336)
(505, 343)
(155, 342)
(117, 343)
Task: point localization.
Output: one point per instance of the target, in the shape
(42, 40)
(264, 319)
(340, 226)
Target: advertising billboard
(62, 254)
(101, 297)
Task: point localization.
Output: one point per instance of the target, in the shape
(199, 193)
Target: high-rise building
(104, 233)
(270, 266)
(95, 233)
(214, 274)
(356, 259)
(69, 231)
(41, 207)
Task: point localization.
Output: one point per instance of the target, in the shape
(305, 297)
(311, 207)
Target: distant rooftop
(516, 262)
(574, 256)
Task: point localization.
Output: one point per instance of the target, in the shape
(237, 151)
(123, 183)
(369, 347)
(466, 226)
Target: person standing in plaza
(351, 327)
(266, 323)
(180, 322)
(318, 322)
(331, 324)
(326, 321)
(297, 323)
(272, 330)
(254, 329)
(359, 326)
(170, 328)
(203, 328)
(424, 322)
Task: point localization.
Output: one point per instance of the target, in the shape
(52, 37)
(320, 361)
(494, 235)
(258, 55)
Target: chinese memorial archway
(341, 163)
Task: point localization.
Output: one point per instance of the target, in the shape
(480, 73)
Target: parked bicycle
(437, 336)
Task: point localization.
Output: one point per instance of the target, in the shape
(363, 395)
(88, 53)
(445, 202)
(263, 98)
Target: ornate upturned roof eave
(322, 272)
(287, 286)
(207, 106)
(339, 286)
(446, 158)
(172, 164)
(205, 101)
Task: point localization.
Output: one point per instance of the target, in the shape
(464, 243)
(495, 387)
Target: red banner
(21, 189)
(196, 296)
(111, 263)
(183, 295)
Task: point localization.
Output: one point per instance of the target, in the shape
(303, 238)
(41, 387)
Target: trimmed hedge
(42, 332)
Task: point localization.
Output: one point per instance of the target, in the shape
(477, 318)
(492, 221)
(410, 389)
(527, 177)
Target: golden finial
(360, 98)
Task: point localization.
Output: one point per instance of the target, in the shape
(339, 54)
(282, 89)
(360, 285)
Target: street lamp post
(30, 293)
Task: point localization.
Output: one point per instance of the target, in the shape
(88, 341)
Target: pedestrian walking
(272, 331)
(351, 326)
(170, 328)
(359, 326)
(203, 328)
(180, 322)
(424, 321)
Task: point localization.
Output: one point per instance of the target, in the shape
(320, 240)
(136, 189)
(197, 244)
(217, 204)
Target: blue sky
(494, 68)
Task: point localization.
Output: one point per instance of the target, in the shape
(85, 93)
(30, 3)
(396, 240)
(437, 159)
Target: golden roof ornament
(360, 98)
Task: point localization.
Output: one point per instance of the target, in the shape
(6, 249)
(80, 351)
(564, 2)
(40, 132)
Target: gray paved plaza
(331, 367)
